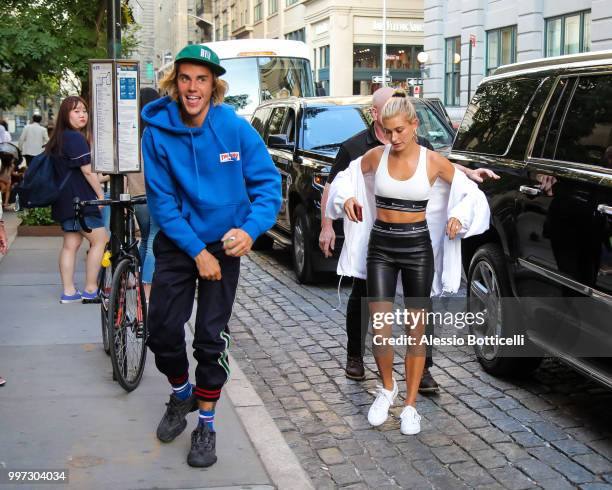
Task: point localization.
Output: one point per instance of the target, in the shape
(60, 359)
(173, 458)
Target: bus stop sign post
(113, 22)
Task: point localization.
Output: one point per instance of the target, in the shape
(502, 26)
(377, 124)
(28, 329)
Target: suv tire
(488, 274)
(301, 251)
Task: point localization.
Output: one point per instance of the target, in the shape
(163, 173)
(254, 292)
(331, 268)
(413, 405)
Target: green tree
(42, 39)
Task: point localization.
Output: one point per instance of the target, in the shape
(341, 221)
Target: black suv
(544, 268)
(303, 136)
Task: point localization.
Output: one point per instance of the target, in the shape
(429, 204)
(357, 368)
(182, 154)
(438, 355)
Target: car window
(431, 128)
(325, 128)
(492, 117)
(276, 121)
(259, 120)
(289, 125)
(548, 134)
(586, 136)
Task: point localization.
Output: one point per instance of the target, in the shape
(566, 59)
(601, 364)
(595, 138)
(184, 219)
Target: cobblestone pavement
(551, 430)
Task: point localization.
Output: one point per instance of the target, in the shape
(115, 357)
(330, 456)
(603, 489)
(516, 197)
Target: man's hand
(208, 266)
(453, 227)
(479, 175)
(3, 240)
(237, 242)
(353, 209)
(327, 240)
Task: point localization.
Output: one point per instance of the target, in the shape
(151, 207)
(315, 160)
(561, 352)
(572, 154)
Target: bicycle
(124, 307)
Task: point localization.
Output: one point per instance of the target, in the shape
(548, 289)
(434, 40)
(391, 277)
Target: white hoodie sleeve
(342, 188)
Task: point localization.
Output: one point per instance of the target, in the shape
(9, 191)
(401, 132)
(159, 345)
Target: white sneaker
(379, 411)
(411, 421)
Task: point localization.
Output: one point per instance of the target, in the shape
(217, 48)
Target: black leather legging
(400, 248)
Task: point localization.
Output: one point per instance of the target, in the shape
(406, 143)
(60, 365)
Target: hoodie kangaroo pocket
(211, 223)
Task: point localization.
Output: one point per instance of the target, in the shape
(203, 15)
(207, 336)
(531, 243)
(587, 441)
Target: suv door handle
(604, 209)
(530, 191)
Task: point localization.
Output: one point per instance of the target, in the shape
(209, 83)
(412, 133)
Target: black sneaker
(428, 384)
(202, 453)
(173, 422)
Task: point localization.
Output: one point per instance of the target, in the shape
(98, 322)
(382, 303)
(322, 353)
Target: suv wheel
(301, 242)
(263, 242)
(488, 284)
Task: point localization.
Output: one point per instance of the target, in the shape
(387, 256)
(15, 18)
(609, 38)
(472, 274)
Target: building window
(217, 34)
(501, 47)
(403, 57)
(324, 57)
(258, 12)
(452, 71)
(366, 56)
(568, 34)
(291, 2)
(299, 35)
(225, 33)
(272, 6)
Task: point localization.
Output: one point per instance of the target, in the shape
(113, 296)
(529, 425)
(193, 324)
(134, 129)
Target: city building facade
(344, 36)
(502, 32)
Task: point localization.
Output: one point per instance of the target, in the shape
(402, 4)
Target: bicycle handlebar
(79, 205)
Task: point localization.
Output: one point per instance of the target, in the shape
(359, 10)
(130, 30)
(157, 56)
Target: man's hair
(169, 85)
(36, 118)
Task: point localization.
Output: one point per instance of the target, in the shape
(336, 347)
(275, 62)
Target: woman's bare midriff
(390, 216)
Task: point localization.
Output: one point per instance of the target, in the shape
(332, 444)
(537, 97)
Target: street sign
(417, 91)
(379, 79)
(115, 122)
(473, 40)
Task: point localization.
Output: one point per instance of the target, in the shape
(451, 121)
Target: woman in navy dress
(71, 154)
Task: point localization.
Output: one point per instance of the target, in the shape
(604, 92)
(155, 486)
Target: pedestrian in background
(213, 189)
(136, 187)
(33, 139)
(70, 150)
(3, 250)
(5, 136)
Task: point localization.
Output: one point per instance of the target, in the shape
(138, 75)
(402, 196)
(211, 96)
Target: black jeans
(405, 249)
(170, 306)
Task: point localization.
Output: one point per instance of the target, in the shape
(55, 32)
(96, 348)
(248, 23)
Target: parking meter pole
(113, 22)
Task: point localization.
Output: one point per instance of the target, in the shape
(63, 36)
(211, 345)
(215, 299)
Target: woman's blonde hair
(169, 85)
(399, 103)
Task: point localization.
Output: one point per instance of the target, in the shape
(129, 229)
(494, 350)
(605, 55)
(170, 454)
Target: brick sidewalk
(552, 430)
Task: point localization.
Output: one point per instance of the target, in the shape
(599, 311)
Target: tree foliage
(42, 39)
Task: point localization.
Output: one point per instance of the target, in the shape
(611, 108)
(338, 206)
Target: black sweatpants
(170, 306)
(357, 325)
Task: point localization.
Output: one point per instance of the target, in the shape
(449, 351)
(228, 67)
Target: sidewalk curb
(276, 456)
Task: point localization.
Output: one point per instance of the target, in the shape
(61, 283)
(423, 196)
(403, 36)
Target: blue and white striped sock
(183, 391)
(207, 417)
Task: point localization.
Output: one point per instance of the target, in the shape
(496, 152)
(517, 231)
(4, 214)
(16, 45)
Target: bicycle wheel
(127, 316)
(104, 287)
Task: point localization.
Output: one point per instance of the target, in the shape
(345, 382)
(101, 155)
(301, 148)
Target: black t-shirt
(357, 146)
(75, 153)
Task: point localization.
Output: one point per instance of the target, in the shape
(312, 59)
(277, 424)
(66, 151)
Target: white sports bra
(409, 195)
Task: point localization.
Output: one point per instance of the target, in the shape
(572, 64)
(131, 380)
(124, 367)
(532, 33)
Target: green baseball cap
(201, 54)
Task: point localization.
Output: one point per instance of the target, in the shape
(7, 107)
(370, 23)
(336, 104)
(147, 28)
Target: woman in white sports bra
(400, 243)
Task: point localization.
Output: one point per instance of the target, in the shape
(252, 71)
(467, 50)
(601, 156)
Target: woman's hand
(353, 209)
(453, 226)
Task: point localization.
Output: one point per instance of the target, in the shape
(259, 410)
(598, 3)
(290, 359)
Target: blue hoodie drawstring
(195, 163)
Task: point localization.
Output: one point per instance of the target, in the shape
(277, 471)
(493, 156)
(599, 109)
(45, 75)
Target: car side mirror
(279, 142)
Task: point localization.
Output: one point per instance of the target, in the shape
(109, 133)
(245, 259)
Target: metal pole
(384, 44)
(113, 21)
(469, 94)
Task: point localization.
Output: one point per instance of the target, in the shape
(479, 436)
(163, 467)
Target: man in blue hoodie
(213, 189)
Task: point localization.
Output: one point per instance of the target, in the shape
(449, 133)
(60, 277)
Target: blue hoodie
(201, 182)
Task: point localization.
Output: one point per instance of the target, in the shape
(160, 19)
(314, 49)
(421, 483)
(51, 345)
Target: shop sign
(393, 26)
